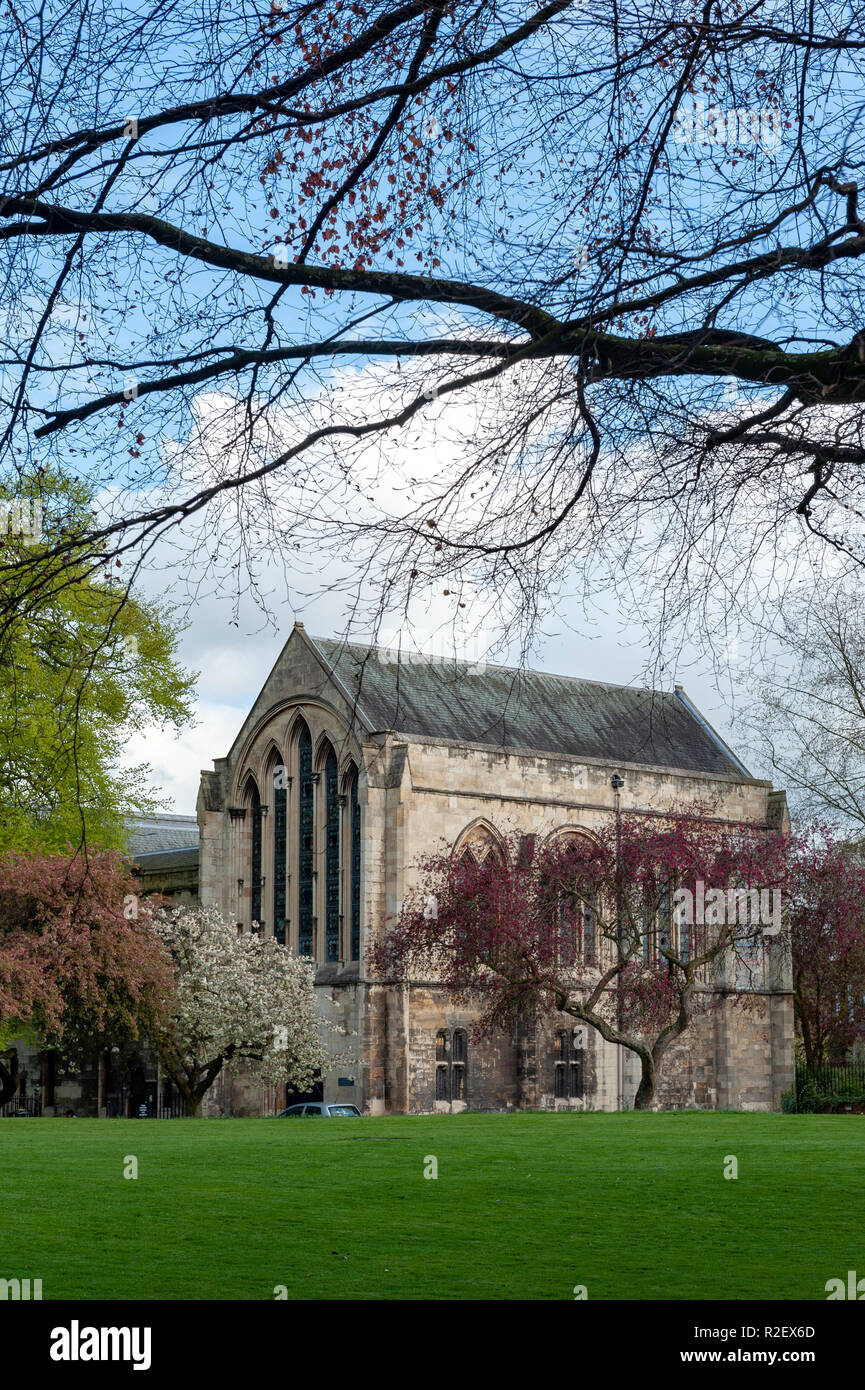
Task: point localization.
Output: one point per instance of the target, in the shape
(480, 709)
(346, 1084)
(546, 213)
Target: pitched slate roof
(152, 834)
(168, 859)
(506, 707)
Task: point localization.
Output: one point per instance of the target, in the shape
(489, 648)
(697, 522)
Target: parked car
(319, 1107)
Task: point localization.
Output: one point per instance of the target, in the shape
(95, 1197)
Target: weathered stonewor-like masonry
(352, 763)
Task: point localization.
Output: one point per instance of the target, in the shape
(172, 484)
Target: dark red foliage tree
(827, 932)
(597, 926)
(80, 963)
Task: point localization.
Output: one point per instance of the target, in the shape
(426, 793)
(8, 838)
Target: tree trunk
(198, 1090)
(49, 1074)
(101, 1078)
(646, 1089)
(801, 1018)
(193, 1087)
(649, 1057)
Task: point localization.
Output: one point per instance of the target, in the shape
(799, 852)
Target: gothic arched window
(480, 845)
(451, 1061)
(572, 903)
(459, 1049)
(306, 832)
(443, 1075)
(255, 806)
(280, 844)
(331, 842)
(569, 1067)
(355, 869)
(589, 914)
(658, 924)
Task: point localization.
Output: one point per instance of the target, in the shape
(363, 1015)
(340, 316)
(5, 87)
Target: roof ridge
(498, 666)
(501, 706)
(163, 816)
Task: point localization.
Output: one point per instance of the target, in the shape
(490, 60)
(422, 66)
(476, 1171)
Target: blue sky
(145, 314)
(235, 660)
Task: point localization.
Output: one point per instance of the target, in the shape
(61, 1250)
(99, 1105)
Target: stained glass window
(577, 1080)
(355, 871)
(451, 1051)
(458, 1077)
(665, 917)
(560, 1083)
(569, 910)
(458, 1066)
(331, 919)
(256, 854)
(590, 917)
(306, 831)
(684, 938)
(568, 1071)
(280, 827)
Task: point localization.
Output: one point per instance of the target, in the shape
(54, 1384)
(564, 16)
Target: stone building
(164, 851)
(352, 763)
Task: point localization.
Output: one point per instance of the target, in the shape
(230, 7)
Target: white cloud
(234, 647)
(177, 760)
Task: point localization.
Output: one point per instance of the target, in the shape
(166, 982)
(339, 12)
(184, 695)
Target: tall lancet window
(255, 804)
(280, 834)
(355, 870)
(331, 901)
(307, 836)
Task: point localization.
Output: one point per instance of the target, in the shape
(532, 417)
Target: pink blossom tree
(236, 998)
(633, 929)
(80, 963)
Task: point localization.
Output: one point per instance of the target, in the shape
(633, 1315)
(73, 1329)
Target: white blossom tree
(236, 998)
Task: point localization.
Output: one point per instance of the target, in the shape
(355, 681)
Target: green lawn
(524, 1206)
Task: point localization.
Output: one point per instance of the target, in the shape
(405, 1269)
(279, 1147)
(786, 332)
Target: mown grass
(634, 1206)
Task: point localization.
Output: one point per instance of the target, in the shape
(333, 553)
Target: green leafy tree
(88, 662)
